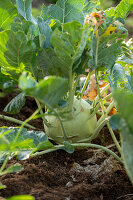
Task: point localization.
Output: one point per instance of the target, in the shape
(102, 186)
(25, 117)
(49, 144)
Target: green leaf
(14, 50)
(24, 154)
(44, 146)
(68, 147)
(91, 6)
(115, 122)
(6, 82)
(127, 149)
(23, 26)
(52, 64)
(27, 82)
(130, 81)
(3, 156)
(118, 76)
(27, 142)
(37, 64)
(125, 106)
(2, 186)
(25, 9)
(62, 46)
(110, 12)
(45, 31)
(68, 49)
(36, 136)
(124, 100)
(8, 86)
(21, 197)
(66, 11)
(13, 169)
(78, 35)
(15, 105)
(54, 88)
(106, 50)
(123, 8)
(7, 13)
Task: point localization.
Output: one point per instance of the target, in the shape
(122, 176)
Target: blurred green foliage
(36, 11)
(104, 5)
(108, 3)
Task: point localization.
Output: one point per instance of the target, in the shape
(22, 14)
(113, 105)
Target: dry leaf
(112, 112)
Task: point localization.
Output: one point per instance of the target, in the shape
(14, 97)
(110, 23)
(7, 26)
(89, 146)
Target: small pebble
(69, 184)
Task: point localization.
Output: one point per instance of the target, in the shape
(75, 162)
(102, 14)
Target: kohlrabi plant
(47, 56)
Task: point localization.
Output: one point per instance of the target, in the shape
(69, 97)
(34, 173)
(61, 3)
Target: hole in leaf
(116, 31)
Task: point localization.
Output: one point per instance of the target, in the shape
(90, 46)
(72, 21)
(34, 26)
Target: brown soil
(26, 111)
(84, 175)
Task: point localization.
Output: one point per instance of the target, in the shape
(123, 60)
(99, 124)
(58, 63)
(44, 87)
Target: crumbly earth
(84, 175)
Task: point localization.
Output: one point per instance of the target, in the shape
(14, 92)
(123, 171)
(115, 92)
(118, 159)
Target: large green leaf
(124, 101)
(26, 143)
(66, 11)
(115, 122)
(51, 64)
(27, 82)
(125, 106)
(45, 33)
(78, 37)
(50, 90)
(127, 149)
(7, 13)
(14, 50)
(68, 49)
(130, 81)
(15, 105)
(123, 8)
(25, 9)
(107, 47)
(118, 76)
(121, 11)
(23, 26)
(63, 48)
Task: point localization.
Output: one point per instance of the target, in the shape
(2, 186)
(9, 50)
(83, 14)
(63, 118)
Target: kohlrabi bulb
(80, 127)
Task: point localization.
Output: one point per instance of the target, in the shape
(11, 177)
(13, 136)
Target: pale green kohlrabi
(77, 128)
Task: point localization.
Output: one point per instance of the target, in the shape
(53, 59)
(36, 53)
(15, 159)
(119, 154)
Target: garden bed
(85, 174)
